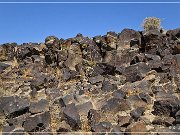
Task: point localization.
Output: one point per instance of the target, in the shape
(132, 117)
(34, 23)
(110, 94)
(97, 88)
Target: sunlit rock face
(118, 82)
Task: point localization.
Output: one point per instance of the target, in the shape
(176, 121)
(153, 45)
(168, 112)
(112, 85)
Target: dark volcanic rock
(74, 57)
(3, 66)
(173, 34)
(92, 53)
(127, 36)
(178, 117)
(124, 121)
(72, 117)
(115, 105)
(41, 106)
(7, 51)
(166, 121)
(93, 116)
(165, 107)
(37, 122)
(7, 129)
(137, 113)
(25, 51)
(84, 108)
(136, 72)
(116, 83)
(102, 127)
(119, 94)
(96, 79)
(107, 86)
(111, 39)
(51, 42)
(139, 126)
(13, 106)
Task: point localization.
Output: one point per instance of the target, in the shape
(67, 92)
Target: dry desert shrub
(151, 23)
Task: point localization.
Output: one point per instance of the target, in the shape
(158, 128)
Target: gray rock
(3, 66)
(115, 105)
(96, 79)
(136, 72)
(84, 108)
(40, 106)
(125, 37)
(71, 116)
(137, 113)
(124, 121)
(102, 127)
(107, 86)
(139, 126)
(93, 116)
(14, 106)
(166, 107)
(37, 122)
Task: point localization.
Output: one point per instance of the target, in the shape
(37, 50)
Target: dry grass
(55, 119)
(85, 127)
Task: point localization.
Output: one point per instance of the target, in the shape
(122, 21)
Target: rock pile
(117, 83)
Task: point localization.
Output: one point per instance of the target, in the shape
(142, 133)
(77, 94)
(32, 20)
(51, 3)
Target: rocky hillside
(126, 82)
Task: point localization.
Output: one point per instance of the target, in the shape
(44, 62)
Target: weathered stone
(3, 66)
(13, 106)
(8, 51)
(74, 57)
(41, 106)
(93, 116)
(167, 107)
(136, 101)
(67, 99)
(107, 86)
(71, 115)
(103, 69)
(120, 58)
(38, 83)
(101, 127)
(96, 79)
(53, 93)
(116, 130)
(167, 121)
(145, 97)
(177, 117)
(124, 121)
(115, 105)
(7, 129)
(173, 34)
(137, 113)
(25, 51)
(136, 72)
(64, 127)
(84, 108)
(137, 127)
(154, 42)
(92, 53)
(18, 121)
(51, 42)
(137, 87)
(119, 94)
(111, 39)
(126, 36)
(37, 122)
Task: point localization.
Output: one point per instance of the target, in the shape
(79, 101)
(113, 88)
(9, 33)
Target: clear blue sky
(33, 22)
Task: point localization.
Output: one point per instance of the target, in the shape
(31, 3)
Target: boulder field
(119, 83)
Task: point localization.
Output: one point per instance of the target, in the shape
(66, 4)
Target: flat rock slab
(41, 106)
(13, 106)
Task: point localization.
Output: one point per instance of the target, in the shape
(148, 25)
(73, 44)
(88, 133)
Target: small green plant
(151, 23)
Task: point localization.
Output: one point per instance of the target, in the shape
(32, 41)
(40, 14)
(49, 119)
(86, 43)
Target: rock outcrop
(127, 82)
